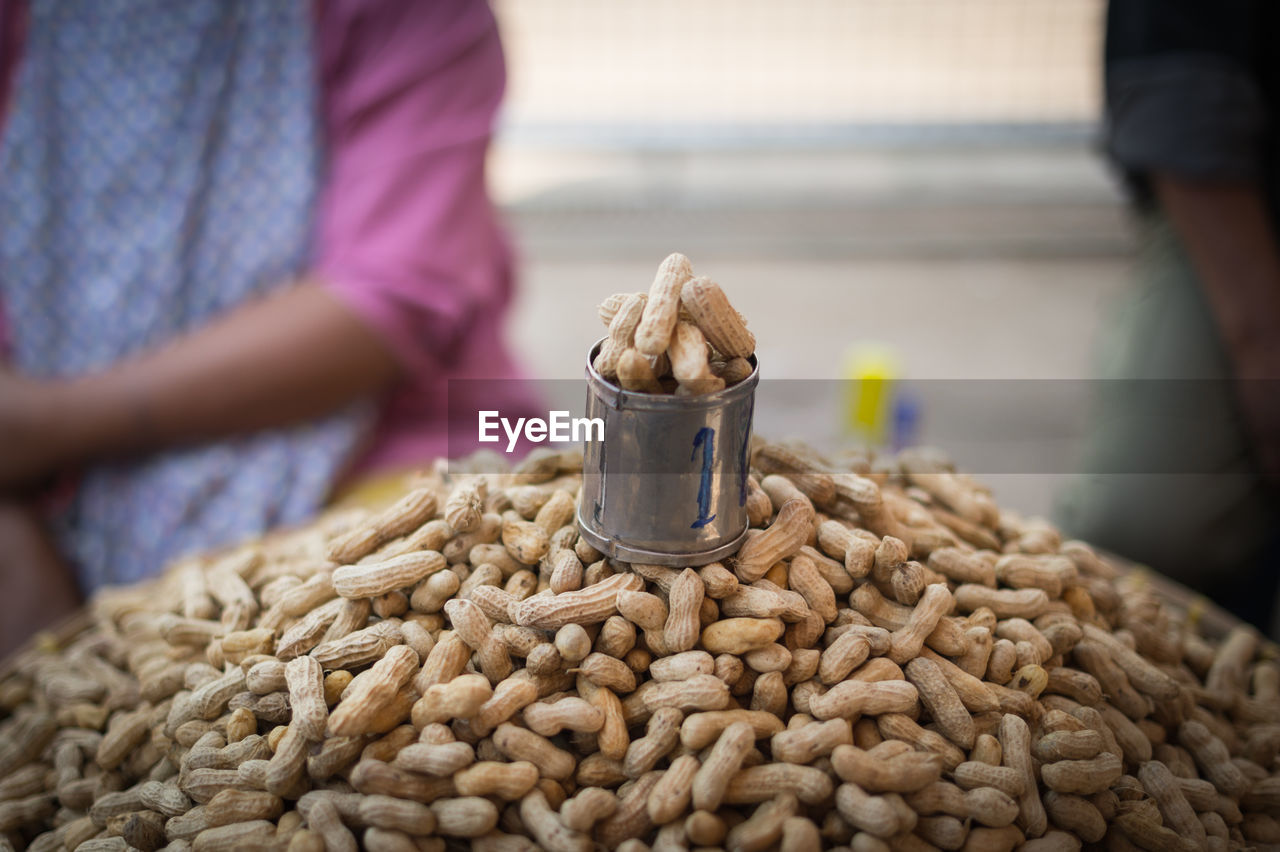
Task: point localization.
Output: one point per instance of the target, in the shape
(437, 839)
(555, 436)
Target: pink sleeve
(406, 235)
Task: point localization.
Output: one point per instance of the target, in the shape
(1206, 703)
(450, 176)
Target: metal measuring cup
(668, 484)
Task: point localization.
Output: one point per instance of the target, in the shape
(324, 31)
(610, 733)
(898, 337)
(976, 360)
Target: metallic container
(668, 485)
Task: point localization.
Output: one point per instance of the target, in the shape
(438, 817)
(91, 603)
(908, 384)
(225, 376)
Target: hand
(39, 588)
(29, 444)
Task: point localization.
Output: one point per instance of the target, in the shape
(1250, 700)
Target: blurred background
(919, 175)
(907, 198)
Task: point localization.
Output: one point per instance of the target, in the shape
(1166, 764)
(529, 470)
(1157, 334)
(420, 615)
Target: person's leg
(36, 586)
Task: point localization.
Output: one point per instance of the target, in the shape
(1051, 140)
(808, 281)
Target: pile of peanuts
(683, 337)
(889, 662)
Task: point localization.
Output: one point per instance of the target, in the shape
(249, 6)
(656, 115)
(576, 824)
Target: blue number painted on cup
(743, 436)
(705, 438)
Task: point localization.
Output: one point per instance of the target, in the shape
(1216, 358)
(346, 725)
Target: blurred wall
(811, 62)
(917, 174)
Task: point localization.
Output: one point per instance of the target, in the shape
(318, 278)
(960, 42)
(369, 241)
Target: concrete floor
(965, 264)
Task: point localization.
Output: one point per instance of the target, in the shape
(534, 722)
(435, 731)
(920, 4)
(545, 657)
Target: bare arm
(296, 354)
(1228, 235)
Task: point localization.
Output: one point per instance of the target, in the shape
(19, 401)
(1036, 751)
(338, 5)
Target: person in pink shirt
(246, 252)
